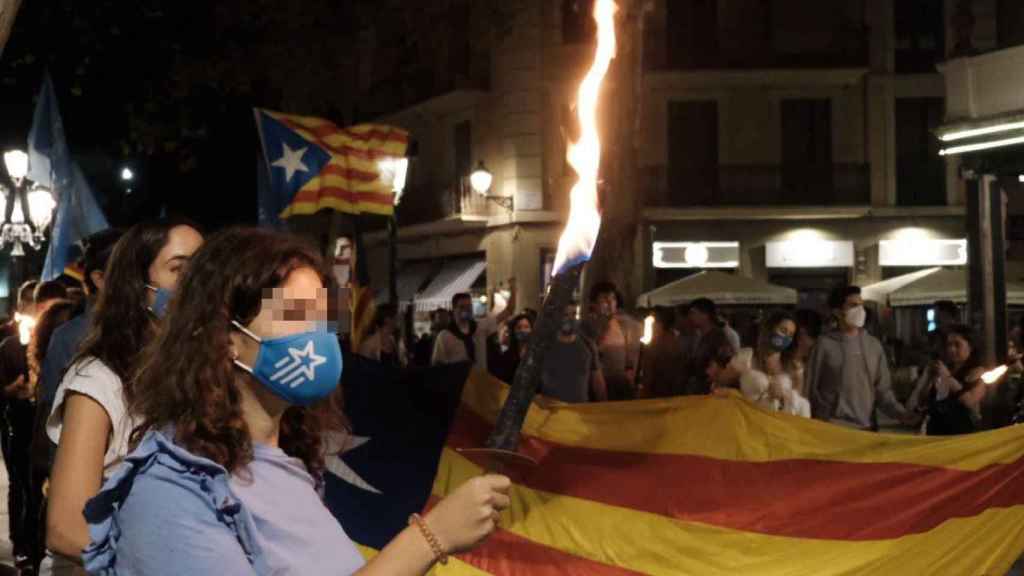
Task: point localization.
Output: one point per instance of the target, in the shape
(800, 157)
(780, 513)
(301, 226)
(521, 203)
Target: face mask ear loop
(248, 333)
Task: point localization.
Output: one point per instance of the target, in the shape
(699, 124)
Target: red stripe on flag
(320, 133)
(379, 134)
(349, 173)
(316, 194)
(327, 130)
(796, 498)
(508, 554)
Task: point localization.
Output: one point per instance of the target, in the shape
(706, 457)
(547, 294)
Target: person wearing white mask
(847, 374)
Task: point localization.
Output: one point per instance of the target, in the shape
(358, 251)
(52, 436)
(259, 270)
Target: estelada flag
(715, 486)
(314, 165)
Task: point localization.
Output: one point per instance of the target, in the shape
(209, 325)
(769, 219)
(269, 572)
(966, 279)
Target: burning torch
(574, 248)
(26, 324)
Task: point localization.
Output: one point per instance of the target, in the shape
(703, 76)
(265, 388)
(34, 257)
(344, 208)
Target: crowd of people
(829, 367)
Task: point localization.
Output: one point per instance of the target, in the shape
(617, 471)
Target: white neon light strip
(981, 131)
(660, 262)
(913, 252)
(981, 146)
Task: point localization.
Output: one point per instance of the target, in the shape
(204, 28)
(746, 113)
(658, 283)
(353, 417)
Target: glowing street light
(127, 175)
(25, 207)
(480, 181)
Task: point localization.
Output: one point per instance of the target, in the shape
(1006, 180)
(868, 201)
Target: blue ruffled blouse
(167, 511)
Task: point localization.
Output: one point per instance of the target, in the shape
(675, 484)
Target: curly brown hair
(122, 325)
(186, 380)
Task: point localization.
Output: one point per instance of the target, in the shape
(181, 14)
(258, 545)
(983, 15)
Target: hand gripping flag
(314, 165)
(714, 486)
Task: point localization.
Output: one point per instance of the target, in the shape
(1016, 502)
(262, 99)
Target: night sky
(168, 89)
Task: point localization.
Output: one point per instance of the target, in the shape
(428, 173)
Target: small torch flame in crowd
(574, 246)
(993, 375)
(648, 330)
(26, 324)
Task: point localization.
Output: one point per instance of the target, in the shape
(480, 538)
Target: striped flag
(314, 165)
(363, 305)
(715, 486)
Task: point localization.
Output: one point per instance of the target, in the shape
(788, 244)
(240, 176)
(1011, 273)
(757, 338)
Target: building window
(693, 153)
(692, 33)
(578, 26)
(920, 171)
(463, 139)
(807, 170)
(1010, 23)
(920, 35)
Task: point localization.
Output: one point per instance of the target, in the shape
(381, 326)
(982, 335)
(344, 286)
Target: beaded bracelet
(439, 554)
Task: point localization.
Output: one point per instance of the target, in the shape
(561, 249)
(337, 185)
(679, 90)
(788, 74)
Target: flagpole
(392, 261)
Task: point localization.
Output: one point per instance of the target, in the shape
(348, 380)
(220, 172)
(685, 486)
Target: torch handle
(528, 375)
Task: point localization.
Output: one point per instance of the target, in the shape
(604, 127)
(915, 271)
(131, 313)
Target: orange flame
(584, 155)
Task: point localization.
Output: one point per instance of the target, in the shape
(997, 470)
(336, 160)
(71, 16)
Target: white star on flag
(291, 161)
(338, 444)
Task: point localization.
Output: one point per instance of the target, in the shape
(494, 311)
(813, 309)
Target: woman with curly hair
(88, 421)
(234, 400)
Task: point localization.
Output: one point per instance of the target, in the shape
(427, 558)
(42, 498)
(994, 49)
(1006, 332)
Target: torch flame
(584, 155)
(993, 375)
(26, 324)
(648, 330)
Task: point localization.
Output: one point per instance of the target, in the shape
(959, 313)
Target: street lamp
(25, 207)
(127, 175)
(480, 180)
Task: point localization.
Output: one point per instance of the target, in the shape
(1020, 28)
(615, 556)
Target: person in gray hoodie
(847, 375)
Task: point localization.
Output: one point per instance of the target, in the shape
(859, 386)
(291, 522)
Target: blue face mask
(780, 341)
(301, 369)
(522, 335)
(163, 297)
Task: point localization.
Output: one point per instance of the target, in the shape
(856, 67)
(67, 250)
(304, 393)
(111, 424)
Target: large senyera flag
(715, 486)
(314, 165)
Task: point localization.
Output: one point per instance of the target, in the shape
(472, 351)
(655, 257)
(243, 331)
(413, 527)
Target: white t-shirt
(449, 350)
(92, 378)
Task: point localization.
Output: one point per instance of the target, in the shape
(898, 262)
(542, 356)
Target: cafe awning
(724, 289)
(455, 276)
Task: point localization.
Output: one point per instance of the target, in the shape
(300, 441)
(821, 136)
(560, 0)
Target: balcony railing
(761, 185)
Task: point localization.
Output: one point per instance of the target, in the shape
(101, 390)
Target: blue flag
(50, 165)
(49, 162)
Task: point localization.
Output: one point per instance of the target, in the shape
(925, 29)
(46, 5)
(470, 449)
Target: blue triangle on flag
(292, 160)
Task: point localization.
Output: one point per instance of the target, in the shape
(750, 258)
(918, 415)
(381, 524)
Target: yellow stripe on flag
(655, 544)
(691, 424)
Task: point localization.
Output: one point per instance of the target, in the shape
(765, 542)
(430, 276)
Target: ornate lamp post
(25, 210)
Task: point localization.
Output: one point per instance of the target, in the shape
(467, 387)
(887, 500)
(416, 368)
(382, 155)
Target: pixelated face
(299, 305)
